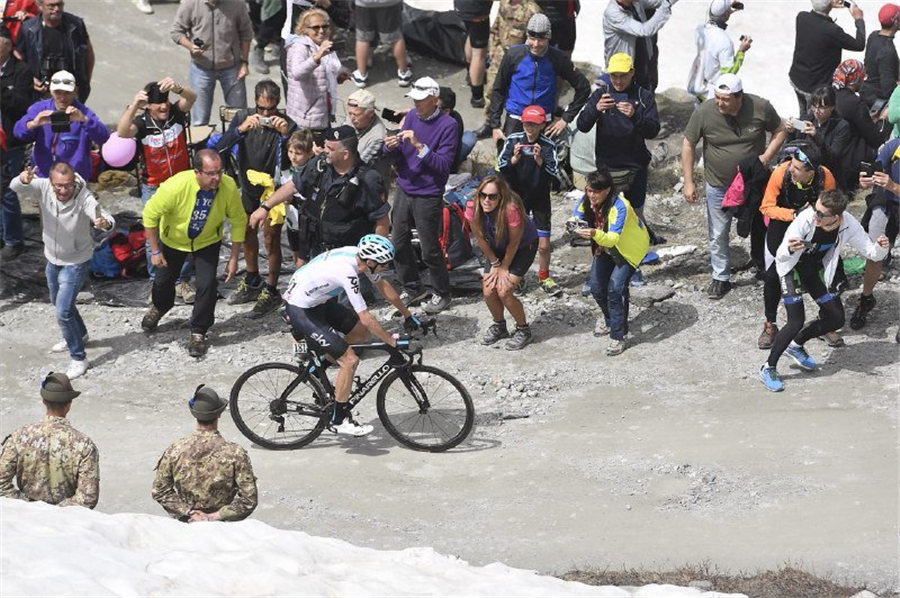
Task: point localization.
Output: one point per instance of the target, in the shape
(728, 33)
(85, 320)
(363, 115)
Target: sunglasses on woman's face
(319, 27)
(489, 196)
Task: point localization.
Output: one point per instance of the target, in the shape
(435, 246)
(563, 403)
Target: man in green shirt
(733, 127)
(186, 217)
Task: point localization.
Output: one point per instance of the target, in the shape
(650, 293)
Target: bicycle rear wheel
(277, 407)
(425, 408)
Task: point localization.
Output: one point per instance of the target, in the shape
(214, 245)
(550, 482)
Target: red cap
(888, 15)
(534, 114)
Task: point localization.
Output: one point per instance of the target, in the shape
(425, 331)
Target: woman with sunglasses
(508, 240)
(313, 73)
(825, 129)
(806, 261)
(619, 242)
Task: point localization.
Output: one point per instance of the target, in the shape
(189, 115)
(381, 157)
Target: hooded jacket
(311, 87)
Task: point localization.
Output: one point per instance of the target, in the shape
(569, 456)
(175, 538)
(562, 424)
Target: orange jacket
(770, 206)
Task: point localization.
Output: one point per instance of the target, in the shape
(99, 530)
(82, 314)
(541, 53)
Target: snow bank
(52, 551)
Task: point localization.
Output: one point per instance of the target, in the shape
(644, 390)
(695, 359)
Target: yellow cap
(620, 63)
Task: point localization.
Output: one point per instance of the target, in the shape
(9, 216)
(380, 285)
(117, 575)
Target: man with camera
(217, 33)
(57, 41)
(61, 128)
(260, 135)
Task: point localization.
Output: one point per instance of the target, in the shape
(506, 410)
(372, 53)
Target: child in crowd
(509, 241)
(300, 150)
(528, 163)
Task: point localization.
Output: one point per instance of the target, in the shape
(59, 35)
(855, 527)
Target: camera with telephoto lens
(574, 224)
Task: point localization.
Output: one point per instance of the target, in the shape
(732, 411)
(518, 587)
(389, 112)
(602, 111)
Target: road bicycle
(284, 406)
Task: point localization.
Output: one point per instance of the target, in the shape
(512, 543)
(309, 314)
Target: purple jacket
(73, 147)
(426, 175)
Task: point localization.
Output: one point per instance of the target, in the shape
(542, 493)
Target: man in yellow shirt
(184, 217)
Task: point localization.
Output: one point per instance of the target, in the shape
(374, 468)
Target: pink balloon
(118, 152)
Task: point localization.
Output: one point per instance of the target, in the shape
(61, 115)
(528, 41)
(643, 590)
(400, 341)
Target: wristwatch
(265, 207)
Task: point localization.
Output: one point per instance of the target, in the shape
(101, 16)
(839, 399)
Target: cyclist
(314, 312)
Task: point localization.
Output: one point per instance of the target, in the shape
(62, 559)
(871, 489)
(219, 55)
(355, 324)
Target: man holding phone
(61, 128)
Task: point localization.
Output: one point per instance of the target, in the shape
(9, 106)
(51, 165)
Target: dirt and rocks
(671, 453)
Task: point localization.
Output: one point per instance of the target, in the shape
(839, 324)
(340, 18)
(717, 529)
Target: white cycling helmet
(376, 248)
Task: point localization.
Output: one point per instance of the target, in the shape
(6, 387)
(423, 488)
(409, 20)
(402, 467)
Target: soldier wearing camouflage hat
(203, 477)
(50, 461)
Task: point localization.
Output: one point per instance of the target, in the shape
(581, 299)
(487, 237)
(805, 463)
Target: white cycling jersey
(325, 277)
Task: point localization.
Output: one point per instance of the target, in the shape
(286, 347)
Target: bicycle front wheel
(425, 408)
(278, 407)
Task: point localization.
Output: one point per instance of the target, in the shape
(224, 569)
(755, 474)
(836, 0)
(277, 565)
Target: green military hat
(56, 388)
(206, 404)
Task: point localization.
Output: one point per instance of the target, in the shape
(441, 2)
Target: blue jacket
(525, 79)
(620, 140)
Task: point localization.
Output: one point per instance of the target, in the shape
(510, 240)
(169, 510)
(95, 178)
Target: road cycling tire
(269, 391)
(425, 408)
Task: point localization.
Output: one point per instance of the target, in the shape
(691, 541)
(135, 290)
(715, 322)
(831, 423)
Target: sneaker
(244, 293)
(408, 297)
(637, 279)
(521, 288)
(770, 378)
(601, 328)
(198, 345)
(477, 102)
(801, 357)
(767, 336)
(62, 347)
(437, 304)
(615, 347)
(520, 338)
(484, 131)
(351, 428)
(144, 7)
(496, 332)
(258, 61)
(359, 79)
(550, 287)
(718, 289)
(186, 291)
(404, 79)
(151, 319)
(77, 369)
(865, 305)
(11, 252)
(265, 303)
(833, 339)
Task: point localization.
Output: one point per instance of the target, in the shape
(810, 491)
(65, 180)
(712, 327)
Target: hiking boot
(801, 357)
(833, 339)
(718, 289)
(437, 304)
(186, 291)
(198, 345)
(767, 336)
(359, 79)
(770, 378)
(520, 338)
(601, 328)
(77, 369)
(865, 305)
(62, 347)
(258, 61)
(550, 287)
(245, 293)
(151, 319)
(496, 332)
(484, 131)
(477, 102)
(404, 79)
(615, 347)
(265, 303)
(521, 288)
(11, 252)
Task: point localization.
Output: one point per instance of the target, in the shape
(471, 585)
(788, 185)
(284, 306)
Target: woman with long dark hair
(508, 240)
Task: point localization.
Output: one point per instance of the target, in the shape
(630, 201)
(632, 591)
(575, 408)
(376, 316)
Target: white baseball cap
(424, 87)
(728, 84)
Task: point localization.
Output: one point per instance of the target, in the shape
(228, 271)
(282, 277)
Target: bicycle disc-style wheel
(272, 405)
(425, 408)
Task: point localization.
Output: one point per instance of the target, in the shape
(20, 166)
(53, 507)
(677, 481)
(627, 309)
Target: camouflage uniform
(51, 462)
(205, 472)
(507, 30)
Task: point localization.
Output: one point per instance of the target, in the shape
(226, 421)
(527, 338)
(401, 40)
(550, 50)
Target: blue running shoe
(770, 378)
(798, 354)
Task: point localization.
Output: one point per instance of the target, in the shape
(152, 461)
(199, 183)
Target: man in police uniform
(203, 477)
(345, 200)
(50, 460)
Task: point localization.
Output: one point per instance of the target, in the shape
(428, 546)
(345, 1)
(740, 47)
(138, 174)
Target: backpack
(121, 254)
(454, 238)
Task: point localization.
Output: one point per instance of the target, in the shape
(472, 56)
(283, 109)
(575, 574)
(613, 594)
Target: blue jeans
(609, 286)
(64, 283)
(469, 139)
(203, 81)
(10, 210)
(147, 192)
(718, 222)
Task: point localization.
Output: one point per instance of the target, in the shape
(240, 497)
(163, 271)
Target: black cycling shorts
(479, 32)
(521, 262)
(321, 324)
(539, 208)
